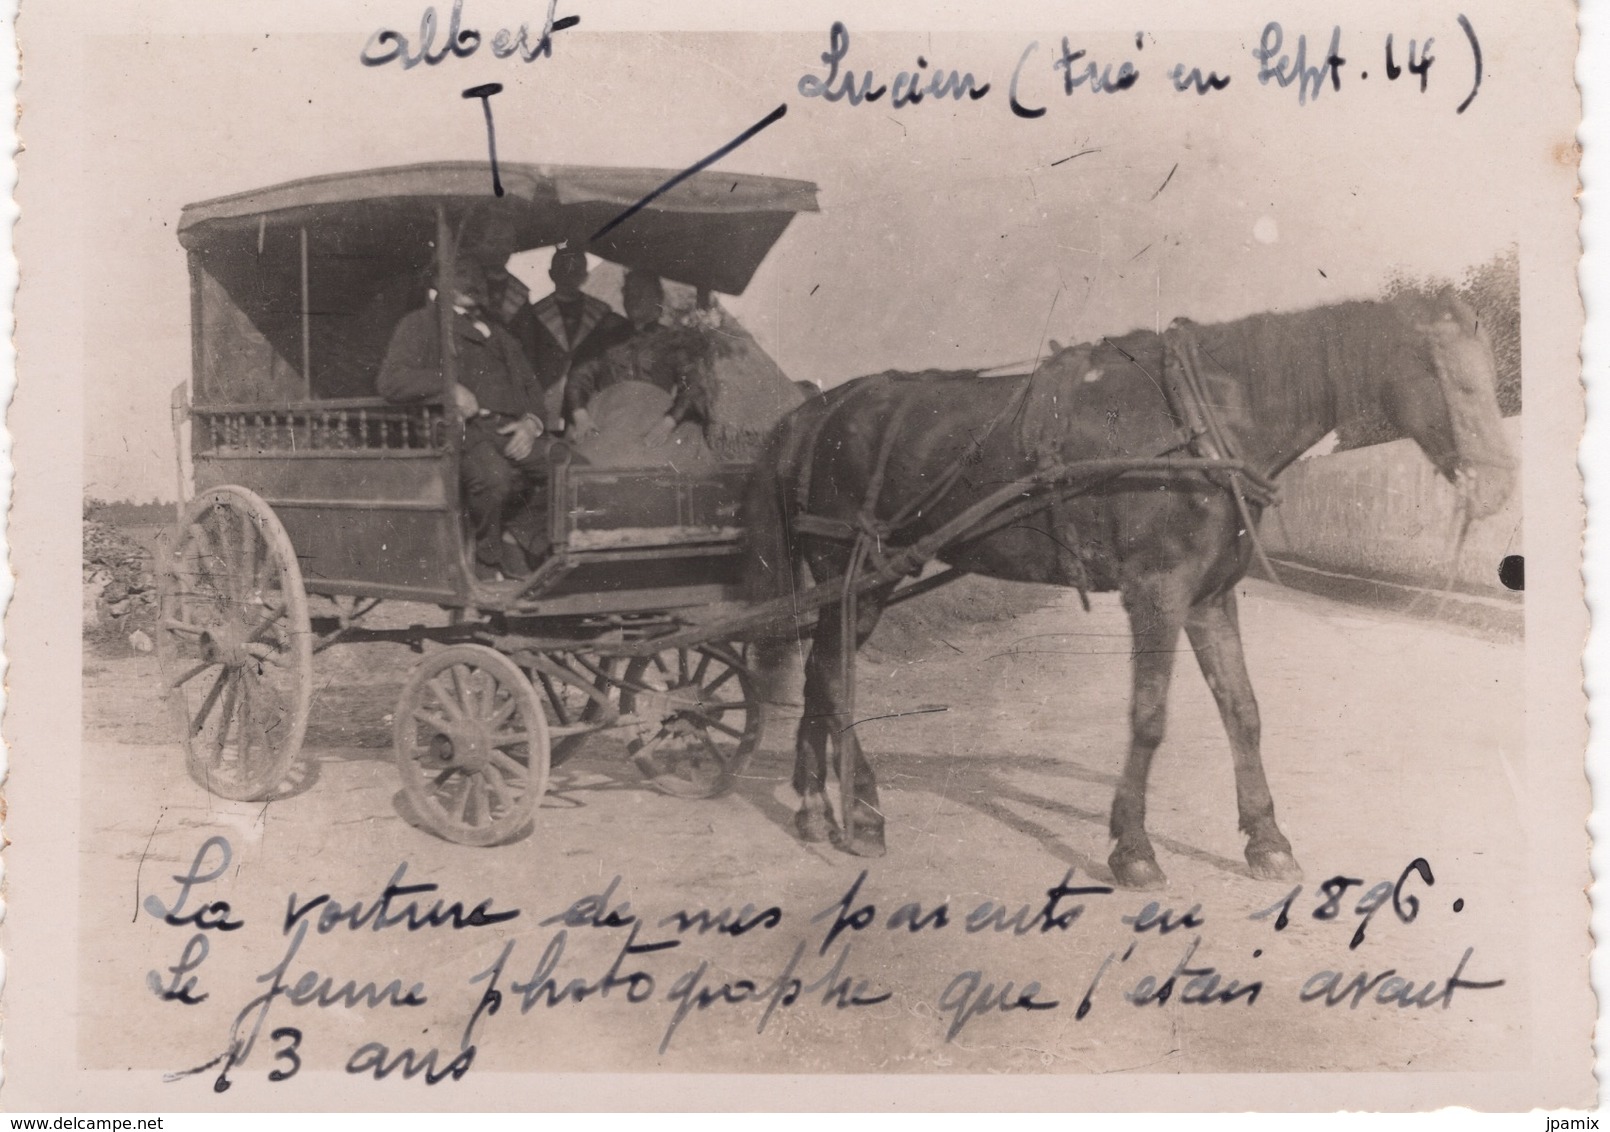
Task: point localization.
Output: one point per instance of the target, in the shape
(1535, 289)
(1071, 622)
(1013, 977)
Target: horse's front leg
(1154, 619)
(814, 821)
(1215, 634)
(828, 720)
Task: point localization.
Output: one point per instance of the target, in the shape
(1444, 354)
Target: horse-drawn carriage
(1137, 464)
(307, 483)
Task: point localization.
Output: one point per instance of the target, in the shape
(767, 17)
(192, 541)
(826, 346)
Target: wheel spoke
(654, 742)
(248, 559)
(264, 652)
(474, 707)
(511, 766)
(190, 674)
(245, 717)
(264, 575)
(478, 812)
(446, 698)
(501, 716)
(503, 739)
(206, 564)
(259, 732)
(719, 726)
(721, 707)
(461, 692)
(682, 667)
(208, 700)
(494, 778)
(560, 711)
(486, 694)
(698, 673)
(713, 751)
(659, 662)
(275, 612)
(436, 722)
(728, 674)
(226, 550)
(461, 804)
(246, 568)
(226, 714)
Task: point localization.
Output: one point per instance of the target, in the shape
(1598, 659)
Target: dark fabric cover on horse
(1098, 400)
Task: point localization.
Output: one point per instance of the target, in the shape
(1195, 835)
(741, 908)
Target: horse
(1180, 435)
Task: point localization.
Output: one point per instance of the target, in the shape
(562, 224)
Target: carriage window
(291, 329)
(296, 311)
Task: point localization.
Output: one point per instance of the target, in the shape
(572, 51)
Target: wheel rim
(472, 745)
(697, 719)
(234, 645)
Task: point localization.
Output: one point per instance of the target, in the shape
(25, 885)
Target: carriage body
(368, 494)
(295, 292)
(301, 480)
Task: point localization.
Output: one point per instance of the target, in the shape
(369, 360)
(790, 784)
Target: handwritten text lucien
(1281, 64)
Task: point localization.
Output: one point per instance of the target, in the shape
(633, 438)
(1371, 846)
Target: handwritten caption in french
(1283, 59)
(538, 972)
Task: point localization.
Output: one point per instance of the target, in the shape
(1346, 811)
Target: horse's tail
(770, 559)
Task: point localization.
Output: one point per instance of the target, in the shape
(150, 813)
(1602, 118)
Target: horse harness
(1185, 381)
(870, 536)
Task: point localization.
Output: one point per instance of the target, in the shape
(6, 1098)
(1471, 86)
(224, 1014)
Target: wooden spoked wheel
(234, 644)
(471, 744)
(575, 711)
(697, 715)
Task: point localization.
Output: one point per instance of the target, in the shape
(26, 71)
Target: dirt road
(1386, 740)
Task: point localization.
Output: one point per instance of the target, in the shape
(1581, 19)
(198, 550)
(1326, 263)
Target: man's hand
(522, 436)
(661, 432)
(468, 406)
(582, 426)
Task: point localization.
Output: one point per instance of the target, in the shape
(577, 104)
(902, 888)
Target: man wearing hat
(567, 329)
(503, 460)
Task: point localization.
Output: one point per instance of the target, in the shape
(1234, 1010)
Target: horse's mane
(1318, 363)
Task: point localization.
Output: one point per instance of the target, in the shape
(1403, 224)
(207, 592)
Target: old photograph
(1028, 560)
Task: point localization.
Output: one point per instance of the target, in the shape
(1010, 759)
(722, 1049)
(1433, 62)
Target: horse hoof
(1273, 864)
(815, 827)
(1136, 872)
(863, 845)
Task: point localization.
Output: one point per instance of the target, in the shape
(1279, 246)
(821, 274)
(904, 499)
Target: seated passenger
(503, 460)
(655, 353)
(566, 329)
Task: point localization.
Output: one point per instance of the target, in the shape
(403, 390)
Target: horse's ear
(1056, 347)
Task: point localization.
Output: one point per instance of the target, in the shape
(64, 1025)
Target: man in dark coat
(504, 456)
(565, 330)
(655, 353)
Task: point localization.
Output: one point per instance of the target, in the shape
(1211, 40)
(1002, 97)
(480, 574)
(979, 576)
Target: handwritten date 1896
(1404, 904)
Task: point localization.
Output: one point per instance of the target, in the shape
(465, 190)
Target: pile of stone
(120, 589)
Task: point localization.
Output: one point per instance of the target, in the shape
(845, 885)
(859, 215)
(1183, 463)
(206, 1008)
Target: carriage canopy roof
(298, 286)
(710, 230)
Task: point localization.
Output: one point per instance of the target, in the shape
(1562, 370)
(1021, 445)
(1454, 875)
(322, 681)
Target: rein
(1184, 386)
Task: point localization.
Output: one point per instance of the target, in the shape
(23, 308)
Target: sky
(951, 235)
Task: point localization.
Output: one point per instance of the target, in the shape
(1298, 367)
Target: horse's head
(1444, 395)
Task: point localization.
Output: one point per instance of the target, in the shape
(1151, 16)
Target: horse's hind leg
(1156, 611)
(1215, 634)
